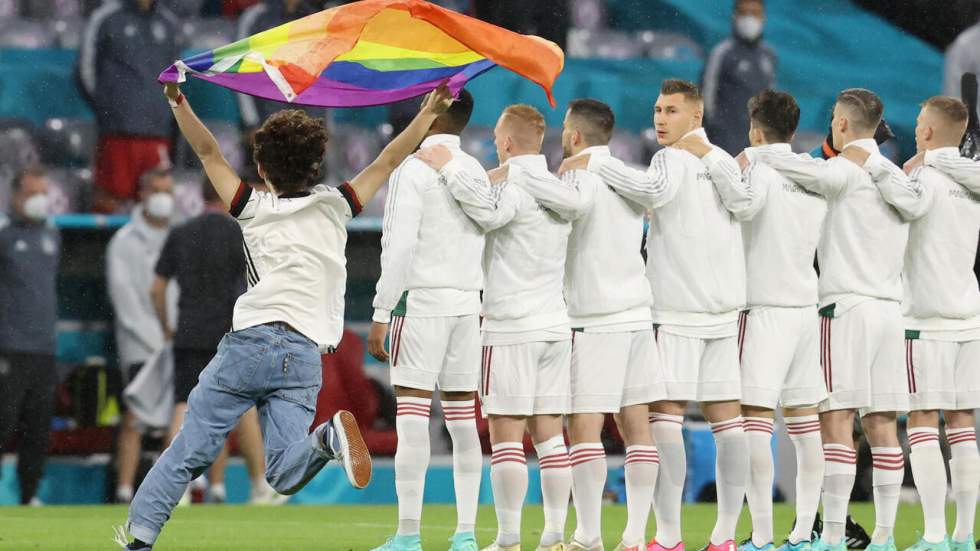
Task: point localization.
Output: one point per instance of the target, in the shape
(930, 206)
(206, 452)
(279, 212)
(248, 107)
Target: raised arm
(490, 206)
(569, 197)
(904, 192)
(822, 177)
(649, 188)
(367, 183)
(963, 171)
(223, 177)
(735, 193)
(754, 176)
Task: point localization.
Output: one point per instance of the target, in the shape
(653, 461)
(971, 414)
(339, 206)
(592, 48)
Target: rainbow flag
(370, 52)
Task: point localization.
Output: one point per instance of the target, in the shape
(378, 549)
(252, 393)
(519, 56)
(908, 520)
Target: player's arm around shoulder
(898, 189)
(963, 171)
(569, 196)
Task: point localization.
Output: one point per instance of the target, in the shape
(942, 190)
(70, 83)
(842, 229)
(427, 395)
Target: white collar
(941, 152)
(782, 147)
(600, 150)
(699, 132)
(530, 162)
(867, 144)
(448, 140)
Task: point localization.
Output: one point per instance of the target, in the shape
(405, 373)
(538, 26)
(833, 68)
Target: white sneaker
(217, 493)
(342, 438)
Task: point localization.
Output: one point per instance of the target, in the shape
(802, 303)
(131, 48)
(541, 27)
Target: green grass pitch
(342, 528)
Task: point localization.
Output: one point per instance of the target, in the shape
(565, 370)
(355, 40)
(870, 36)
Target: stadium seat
(67, 142)
(670, 45)
(806, 141)
(478, 142)
(208, 34)
(25, 34)
(603, 44)
(68, 31)
(229, 140)
(627, 147)
(588, 14)
(9, 8)
(50, 9)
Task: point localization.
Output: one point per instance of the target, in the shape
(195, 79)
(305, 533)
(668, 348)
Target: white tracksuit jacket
(866, 229)
(430, 249)
(941, 292)
(780, 231)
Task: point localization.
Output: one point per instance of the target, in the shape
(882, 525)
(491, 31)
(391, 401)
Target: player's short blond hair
(529, 123)
(951, 109)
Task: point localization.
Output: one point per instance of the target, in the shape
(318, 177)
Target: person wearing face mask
(737, 69)
(130, 260)
(29, 253)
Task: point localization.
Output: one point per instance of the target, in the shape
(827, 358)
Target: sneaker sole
(356, 458)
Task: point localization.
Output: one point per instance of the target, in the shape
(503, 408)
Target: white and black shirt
(295, 263)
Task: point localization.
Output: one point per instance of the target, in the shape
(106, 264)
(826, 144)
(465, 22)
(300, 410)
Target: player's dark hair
(289, 147)
(32, 171)
(776, 114)
(865, 107)
(596, 120)
(738, 4)
(688, 89)
(455, 119)
(953, 109)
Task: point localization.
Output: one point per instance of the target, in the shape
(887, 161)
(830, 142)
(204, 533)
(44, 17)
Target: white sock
(731, 476)
(840, 468)
(758, 492)
(508, 477)
(411, 461)
(887, 476)
(556, 488)
(929, 474)
(641, 466)
(964, 467)
(124, 493)
(669, 493)
(804, 432)
(588, 480)
(467, 460)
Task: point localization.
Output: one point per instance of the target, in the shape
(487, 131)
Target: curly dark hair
(290, 147)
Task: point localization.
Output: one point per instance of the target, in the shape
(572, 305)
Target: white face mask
(160, 205)
(748, 27)
(36, 207)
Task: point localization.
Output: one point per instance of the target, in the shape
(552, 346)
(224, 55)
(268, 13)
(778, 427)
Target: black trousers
(27, 394)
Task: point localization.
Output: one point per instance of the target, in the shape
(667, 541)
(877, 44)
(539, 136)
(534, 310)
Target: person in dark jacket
(30, 248)
(737, 69)
(124, 47)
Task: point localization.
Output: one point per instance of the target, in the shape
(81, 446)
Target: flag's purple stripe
(329, 93)
(355, 74)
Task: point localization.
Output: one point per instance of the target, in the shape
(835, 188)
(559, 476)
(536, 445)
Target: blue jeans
(268, 366)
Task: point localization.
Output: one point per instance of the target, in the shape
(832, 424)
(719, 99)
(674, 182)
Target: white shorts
(613, 370)
(698, 369)
(779, 349)
(431, 352)
(526, 379)
(862, 358)
(942, 374)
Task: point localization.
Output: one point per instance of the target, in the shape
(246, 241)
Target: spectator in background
(737, 69)
(962, 56)
(206, 257)
(130, 258)
(123, 49)
(29, 252)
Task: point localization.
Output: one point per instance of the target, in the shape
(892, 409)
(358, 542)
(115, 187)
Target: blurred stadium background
(617, 51)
